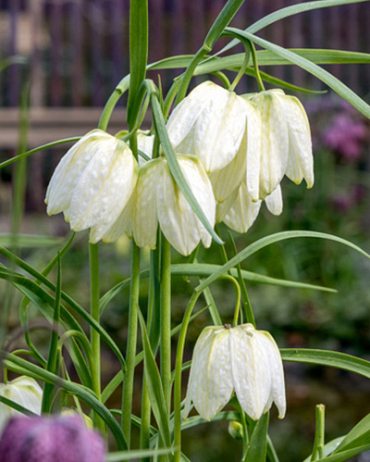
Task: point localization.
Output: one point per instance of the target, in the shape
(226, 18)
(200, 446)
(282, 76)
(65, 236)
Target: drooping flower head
(93, 183)
(240, 359)
(50, 439)
(158, 200)
(24, 391)
(221, 128)
(286, 147)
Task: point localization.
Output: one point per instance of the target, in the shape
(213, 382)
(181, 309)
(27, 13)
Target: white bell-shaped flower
(240, 359)
(24, 391)
(93, 183)
(210, 123)
(286, 147)
(158, 200)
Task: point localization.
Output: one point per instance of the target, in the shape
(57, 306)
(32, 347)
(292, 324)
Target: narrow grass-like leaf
(47, 395)
(358, 436)
(205, 269)
(29, 241)
(138, 55)
(312, 68)
(138, 454)
(175, 169)
(84, 394)
(286, 12)
(5, 163)
(328, 448)
(155, 387)
(268, 240)
(258, 442)
(15, 406)
(327, 358)
(342, 456)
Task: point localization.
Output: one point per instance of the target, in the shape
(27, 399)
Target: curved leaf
(268, 240)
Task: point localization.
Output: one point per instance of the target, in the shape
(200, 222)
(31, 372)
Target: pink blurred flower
(50, 439)
(346, 136)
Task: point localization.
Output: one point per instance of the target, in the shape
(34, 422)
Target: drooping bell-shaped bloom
(50, 439)
(240, 359)
(158, 200)
(286, 147)
(93, 183)
(211, 123)
(240, 212)
(24, 391)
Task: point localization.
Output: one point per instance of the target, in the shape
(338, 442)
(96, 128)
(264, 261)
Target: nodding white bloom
(212, 123)
(240, 211)
(242, 359)
(158, 200)
(286, 147)
(24, 391)
(93, 183)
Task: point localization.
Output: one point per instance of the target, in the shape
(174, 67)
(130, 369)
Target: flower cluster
(232, 150)
(242, 359)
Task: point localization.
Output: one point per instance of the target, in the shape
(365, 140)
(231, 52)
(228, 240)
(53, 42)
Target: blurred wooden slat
(51, 124)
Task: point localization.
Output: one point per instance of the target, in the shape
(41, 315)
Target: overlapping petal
(209, 123)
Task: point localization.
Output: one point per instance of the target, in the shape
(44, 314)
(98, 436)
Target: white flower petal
(104, 187)
(243, 212)
(300, 161)
(210, 383)
(178, 222)
(274, 201)
(145, 144)
(274, 144)
(145, 221)
(277, 372)
(250, 370)
(69, 169)
(210, 124)
(24, 391)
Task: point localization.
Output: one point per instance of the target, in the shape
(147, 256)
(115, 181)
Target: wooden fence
(78, 49)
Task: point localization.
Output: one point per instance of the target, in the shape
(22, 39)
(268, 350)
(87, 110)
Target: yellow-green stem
(131, 342)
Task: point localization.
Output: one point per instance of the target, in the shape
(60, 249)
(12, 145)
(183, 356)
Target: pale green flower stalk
(240, 359)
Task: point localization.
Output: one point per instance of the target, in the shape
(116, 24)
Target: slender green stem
(121, 88)
(247, 304)
(241, 72)
(131, 342)
(165, 338)
(178, 374)
(318, 447)
(145, 420)
(95, 314)
(256, 69)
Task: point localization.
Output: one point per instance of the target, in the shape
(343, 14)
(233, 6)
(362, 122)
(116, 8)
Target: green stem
(241, 71)
(165, 338)
(95, 314)
(178, 374)
(121, 88)
(131, 342)
(255, 65)
(318, 447)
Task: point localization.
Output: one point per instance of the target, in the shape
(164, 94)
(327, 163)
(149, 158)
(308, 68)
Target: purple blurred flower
(50, 439)
(345, 136)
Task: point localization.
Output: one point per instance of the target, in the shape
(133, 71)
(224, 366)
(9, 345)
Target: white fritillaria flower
(157, 199)
(93, 183)
(211, 123)
(286, 147)
(242, 359)
(24, 391)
